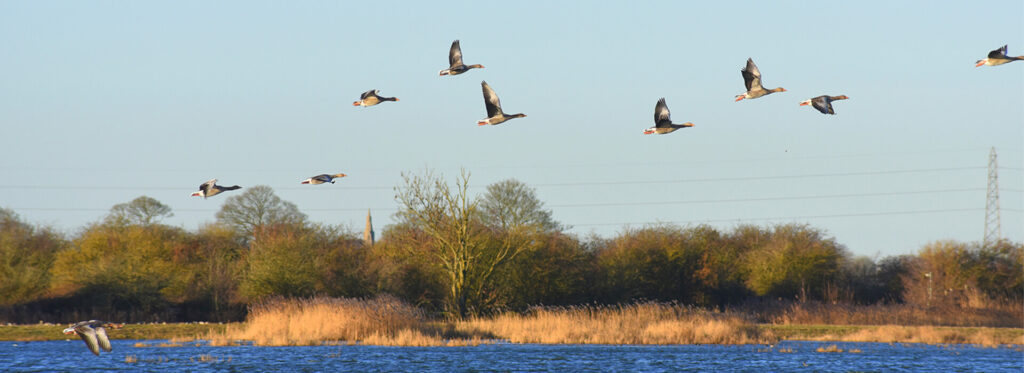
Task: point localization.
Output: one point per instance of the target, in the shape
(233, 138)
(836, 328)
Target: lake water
(788, 356)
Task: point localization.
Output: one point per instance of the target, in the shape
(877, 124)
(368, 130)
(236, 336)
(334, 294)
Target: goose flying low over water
(456, 66)
(370, 98)
(494, 113)
(94, 334)
(998, 57)
(210, 189)
(323, 178)
(663, 120)
(823, 103)
(752, 79)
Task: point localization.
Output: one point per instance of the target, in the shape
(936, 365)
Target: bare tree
(257, 207)
(142, 211)
(446, 217)
(517, 218)
(511, 205)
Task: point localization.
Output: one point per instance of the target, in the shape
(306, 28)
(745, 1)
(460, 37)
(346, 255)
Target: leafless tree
(257, 207)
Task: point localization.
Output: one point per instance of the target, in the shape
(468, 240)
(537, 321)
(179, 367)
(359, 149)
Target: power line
(768, 198)
(193, 170)
(600, 204)
(747, 178)
(581, 183)
(787, 217)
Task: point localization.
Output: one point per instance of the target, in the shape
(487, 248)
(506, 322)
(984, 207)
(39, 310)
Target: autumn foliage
(513, 257)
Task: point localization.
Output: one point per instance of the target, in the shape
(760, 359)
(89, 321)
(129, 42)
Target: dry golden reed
(289, 322)
(643, 323)
(991, 337)
(388, 321)
(1008, 314)
(830, 348)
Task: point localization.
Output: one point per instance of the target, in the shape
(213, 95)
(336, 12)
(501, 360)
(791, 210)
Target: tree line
(455, 255)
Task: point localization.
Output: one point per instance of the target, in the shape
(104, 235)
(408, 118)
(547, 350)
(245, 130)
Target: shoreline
(189, 332)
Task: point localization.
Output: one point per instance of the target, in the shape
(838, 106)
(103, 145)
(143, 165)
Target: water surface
(787, 356)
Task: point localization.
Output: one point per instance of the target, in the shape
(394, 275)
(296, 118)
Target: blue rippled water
(71, 355)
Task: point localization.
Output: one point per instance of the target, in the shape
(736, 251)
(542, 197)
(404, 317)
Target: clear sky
(105, 101)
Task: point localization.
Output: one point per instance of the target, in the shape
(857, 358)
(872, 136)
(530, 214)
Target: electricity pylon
(993, 232)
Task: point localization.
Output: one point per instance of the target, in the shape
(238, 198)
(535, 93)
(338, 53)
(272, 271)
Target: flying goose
(752, 79)
(210, 189)
(322, 178)
(370, 98)
(494, 113)
(998, 57)
(823, 103)
(663, 120)
(455, 61)
(94, 334)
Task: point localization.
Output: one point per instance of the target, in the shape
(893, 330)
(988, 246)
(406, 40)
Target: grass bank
(53, 332)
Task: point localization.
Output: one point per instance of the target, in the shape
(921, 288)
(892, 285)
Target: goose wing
(205, 187)
(372, 92)
(101, 337)
(823, 104)
(88, 335)
(751, 75)
(998, 53)
(455, 54)
(323, 177)
(662, 116)
(491, 100)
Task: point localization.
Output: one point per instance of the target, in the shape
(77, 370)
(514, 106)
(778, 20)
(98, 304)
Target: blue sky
(102, 102)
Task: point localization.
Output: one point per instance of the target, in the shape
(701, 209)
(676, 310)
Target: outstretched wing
(823, 104)
(490, 100)
(662, 117)
(207, 185)
(998, 53)
(751, 75)
(455, 54)
(88, 335)
(372, 92)
(101, 337)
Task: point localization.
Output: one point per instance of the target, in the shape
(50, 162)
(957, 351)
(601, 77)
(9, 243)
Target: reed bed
(388, 321)
(642, 323)
(989, 337)
(1007, 314)
(289, 322)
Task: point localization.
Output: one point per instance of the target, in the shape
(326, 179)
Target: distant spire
(368, 233)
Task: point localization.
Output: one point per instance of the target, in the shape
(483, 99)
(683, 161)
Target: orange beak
(355, 103)
(982, 62)
(805, 103)
(740, 98)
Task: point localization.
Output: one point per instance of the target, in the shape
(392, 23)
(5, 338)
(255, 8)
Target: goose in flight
(752, 79)
(370, 98)
(456, 66)
(823, 103)
(663, 120)
(210, 189)
(322, 178)
(494, 113)
(94, 334)
(998, 57)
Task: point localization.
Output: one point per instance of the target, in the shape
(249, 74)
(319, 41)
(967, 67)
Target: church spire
(368, 233)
